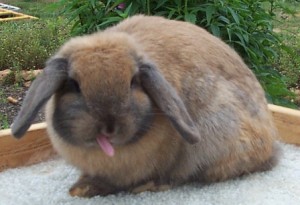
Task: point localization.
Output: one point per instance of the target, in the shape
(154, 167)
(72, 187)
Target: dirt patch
(8, 109)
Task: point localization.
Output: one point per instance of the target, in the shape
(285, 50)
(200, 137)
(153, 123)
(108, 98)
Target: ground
(8, 110)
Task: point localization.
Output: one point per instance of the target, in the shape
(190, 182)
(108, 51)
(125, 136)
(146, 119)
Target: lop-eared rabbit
(150, 104)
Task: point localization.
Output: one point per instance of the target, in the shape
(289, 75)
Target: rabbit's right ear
(42, 88)
(167, 99)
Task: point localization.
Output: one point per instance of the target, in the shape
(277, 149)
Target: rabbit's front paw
(151, 186)
(88, 186)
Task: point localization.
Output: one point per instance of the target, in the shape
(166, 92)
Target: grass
(3, 122)
(3, 119)
(2, 97)
(33, 41)
(37, 8)
(288, 28)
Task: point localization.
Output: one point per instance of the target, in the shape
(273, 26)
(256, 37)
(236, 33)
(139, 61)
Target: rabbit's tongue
(105, 145)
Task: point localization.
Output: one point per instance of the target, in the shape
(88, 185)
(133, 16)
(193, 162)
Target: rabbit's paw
(88, 186)
(151, 186)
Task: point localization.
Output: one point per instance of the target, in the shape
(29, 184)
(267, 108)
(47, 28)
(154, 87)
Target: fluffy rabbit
(150, 104)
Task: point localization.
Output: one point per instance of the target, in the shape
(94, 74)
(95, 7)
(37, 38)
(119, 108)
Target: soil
(9, 110)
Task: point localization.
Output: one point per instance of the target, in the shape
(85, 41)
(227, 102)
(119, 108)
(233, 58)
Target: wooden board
(8, 15)
(32, 148)
(35, 146)
(287, 122)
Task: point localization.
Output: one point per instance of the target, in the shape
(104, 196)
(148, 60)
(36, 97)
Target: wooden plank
(34, 147)
(2, 13)
(287, 122)
(15, 16)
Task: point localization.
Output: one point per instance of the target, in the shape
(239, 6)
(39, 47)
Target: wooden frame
(36, 147)
(15, 15)
(287, 122)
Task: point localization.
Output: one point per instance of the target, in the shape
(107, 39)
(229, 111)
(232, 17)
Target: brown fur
(221, 95)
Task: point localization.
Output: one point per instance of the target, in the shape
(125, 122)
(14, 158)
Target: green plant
(3, 119)
(28, 44)
(287, 27)
(3, 122)
(37, 8)
(2, 97)
(246, 25)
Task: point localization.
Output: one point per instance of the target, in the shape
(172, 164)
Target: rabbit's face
(105, 91)
(102, 97)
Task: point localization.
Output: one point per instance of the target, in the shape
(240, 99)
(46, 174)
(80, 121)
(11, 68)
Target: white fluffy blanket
(48, 183)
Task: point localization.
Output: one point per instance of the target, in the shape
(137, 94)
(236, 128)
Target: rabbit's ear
(45, 85)
(167, 99)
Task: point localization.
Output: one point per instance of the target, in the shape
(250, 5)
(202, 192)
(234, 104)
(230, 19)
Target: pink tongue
(105, 145)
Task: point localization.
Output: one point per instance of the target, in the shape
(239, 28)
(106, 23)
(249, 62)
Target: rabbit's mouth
(105, 145)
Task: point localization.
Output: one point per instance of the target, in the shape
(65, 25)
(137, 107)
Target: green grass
(2, 97)
(26, 44)
(3, 122)
(3, 119)
(37, 8)
(288, 28)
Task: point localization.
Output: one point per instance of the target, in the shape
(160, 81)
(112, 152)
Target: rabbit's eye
(74, 84)
(135, 82)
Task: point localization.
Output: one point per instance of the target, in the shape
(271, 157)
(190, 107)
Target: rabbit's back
(222, 95)
(189, 56)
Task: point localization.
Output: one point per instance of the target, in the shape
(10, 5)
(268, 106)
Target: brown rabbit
(149, 104)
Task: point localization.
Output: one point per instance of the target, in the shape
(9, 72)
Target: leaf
(224, 19)
(197, 9)
(189, 17)
(215, 30)
(161, 13)
(171, 13)
(271, 52)
(209, 12)
(234, 15)
(160, 3)
(229, 33)
(246, 37)
(178, 3)
(110, 20)
(179, 17)
(107, 4)
(241, 38)
(127, 10)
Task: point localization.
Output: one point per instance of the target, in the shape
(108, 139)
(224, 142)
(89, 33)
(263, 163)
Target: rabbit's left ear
(167, 99)
(42, 88)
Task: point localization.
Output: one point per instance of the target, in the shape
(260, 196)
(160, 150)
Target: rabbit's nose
(109, 131)
(110, 127)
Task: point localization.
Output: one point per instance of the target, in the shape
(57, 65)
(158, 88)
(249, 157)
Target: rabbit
(150, 104)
